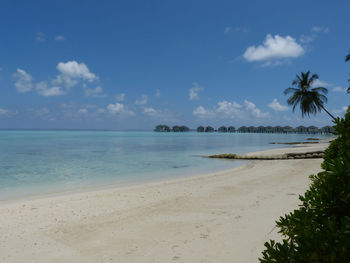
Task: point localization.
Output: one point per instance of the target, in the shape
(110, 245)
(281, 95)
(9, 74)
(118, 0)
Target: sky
(130, 65)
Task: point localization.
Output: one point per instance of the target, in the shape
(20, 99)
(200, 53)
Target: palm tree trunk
(328, 112)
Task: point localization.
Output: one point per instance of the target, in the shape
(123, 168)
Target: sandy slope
(222, 217)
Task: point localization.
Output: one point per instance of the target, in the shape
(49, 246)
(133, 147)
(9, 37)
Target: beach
(225, 216)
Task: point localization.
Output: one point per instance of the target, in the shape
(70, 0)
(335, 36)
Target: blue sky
(135, 64)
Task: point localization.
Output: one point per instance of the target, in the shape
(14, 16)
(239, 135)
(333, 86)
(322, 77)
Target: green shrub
(319, 231)
(339, 148)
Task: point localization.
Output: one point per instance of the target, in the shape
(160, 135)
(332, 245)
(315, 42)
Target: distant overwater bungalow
(176, 128)
(250, 129)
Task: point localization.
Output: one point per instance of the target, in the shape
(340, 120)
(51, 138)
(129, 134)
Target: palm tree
(347, 58)
(311, 100)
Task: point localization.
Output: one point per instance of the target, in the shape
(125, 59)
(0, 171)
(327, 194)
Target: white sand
(222, 217)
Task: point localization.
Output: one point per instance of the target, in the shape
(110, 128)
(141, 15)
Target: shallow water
(34, 162)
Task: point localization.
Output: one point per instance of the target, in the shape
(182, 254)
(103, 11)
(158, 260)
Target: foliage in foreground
(319, 231)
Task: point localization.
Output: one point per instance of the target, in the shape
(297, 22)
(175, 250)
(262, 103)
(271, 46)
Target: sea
(47, 162)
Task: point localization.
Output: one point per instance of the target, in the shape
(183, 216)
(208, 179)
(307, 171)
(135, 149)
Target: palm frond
(314, 76)
(312, 79)
(323, 98)
(289, 90)
(347, 58)
(294, 100)
(320, 89)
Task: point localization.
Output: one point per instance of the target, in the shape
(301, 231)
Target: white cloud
(71, 73)
(232, 110)
(142, 101)
(228, 108)
(320, 29)
(315, 31)
(65, 81)
(149, 110)
(275, 63)
(76, 70)
(276, 106)
(274, 48)
(51, 91)
(120, 97)
(339, 89)
(193, 92)
(115, 108)
(40, 37)
(24, 81)
(320, 83)
(340, 111)
(94, 92)
(118, 108)
(250, 107)
(201, 112)
(3, 112)
(307, 38)
(59, 38)
(161, 115)
(43, 89)
(154, 113)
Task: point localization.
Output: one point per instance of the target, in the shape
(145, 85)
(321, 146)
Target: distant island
(250, 129)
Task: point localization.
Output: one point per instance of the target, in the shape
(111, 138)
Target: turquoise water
(35, 162)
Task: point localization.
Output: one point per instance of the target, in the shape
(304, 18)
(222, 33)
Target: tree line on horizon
(250, 129)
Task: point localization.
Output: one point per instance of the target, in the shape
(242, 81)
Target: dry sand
(222, 217)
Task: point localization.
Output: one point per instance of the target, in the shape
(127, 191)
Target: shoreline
(217, 217)
(130, 184)
(117, 186)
